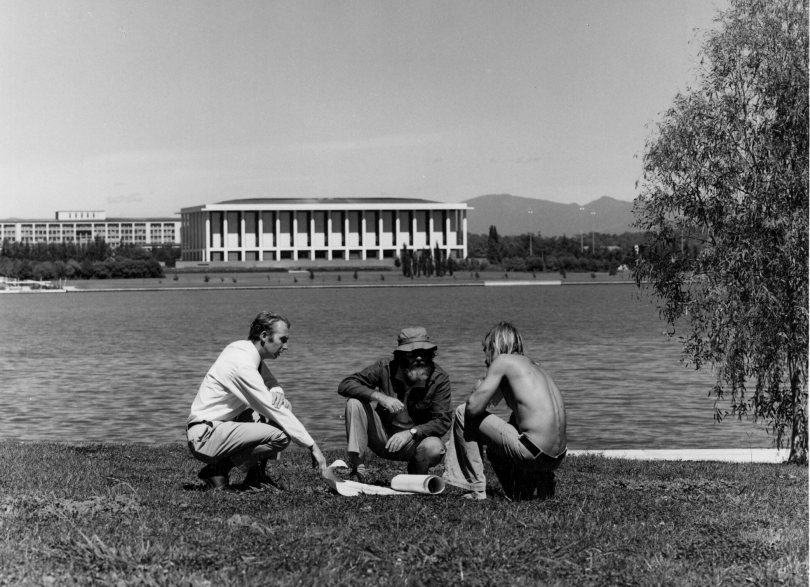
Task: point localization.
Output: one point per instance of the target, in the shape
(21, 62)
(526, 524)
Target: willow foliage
(727, 167)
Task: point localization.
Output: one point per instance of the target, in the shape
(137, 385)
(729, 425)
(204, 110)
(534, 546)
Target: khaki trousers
(364, 430)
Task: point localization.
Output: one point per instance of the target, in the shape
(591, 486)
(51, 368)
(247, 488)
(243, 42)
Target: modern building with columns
(254, 231)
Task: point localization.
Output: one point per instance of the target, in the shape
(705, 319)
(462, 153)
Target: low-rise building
(83, 226)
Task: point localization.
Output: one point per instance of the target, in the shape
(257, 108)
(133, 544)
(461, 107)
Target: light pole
(530, 235)
(593, 247)
(581, 228)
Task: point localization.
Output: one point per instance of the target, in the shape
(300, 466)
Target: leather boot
(215, 475)
(257, 478)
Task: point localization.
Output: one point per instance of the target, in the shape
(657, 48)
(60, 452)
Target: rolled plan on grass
(400, 485)
(418, 484)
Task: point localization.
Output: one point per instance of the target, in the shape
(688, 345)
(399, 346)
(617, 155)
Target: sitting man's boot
(357, 468)
(215, 475)
(257, 478)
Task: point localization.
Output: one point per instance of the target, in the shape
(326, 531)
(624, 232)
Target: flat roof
(84, 220)
(328, 201)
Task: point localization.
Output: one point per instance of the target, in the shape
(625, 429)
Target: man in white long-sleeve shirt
(240, 417)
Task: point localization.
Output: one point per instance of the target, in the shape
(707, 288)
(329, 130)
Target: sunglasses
(423, 353)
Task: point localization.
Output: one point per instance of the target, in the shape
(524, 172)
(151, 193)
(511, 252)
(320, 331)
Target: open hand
(278, 400)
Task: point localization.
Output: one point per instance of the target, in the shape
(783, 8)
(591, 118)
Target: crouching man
(525, 451)
(413, 407)
(240, 417)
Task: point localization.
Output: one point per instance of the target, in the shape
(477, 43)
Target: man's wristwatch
(413, 432)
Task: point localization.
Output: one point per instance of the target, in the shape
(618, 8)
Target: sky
(141, 108)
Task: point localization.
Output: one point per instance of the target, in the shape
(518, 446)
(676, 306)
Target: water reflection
(125, 367)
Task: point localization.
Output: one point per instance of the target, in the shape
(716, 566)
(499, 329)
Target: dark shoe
(215, 476)
(359, 474)
(256, 478)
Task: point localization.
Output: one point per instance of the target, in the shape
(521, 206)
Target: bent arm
(363, 384)
(488, 389)
(251, 385)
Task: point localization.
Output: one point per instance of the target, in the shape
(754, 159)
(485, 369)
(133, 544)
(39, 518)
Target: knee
(355, 406)
(432, 449)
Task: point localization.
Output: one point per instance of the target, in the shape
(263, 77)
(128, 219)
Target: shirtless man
(525, 451)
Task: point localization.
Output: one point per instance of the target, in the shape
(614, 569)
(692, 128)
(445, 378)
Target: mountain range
(510, 215)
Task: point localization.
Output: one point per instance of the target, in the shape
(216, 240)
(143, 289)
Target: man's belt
(193, 424)
(537, 452)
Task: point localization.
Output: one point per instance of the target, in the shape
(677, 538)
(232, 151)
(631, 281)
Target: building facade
(278, 229)
(83, 226)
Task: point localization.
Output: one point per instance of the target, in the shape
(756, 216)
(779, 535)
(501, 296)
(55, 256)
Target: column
(346, 235)
(225, 235)
(207, 248)
(447, 232)
(362, 229)
(277, 233)
(464, 232)
(380, 234)
(328, 235)
(260, 233)
(242, 240)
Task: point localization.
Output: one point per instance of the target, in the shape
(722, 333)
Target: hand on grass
(398, 440)
(318, 462)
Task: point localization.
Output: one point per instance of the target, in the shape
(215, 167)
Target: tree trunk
(798, 452)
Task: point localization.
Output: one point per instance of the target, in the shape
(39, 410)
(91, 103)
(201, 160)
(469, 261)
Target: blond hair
(504, 339)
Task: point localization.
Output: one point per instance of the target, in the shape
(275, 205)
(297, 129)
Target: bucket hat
(413, 338)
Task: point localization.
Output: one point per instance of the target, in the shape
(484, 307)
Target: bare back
(536, 402)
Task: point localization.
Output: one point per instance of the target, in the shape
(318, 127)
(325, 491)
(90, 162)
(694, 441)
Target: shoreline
(504, 283)
(759, 455)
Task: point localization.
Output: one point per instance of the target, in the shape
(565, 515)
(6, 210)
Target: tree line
(95, 259)
(590, 253)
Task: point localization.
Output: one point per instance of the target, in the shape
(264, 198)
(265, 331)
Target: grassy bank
(135, 515)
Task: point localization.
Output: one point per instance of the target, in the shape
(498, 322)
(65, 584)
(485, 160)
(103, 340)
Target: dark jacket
(428, 407)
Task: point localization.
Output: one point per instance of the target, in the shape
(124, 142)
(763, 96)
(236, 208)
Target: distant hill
(510, 215)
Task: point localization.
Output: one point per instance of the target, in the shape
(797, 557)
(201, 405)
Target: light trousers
(244, 441)
(517, 469)
(365, 429)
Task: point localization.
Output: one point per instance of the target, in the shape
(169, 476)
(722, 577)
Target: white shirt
(234, 383)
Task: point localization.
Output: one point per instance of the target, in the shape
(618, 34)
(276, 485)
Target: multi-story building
(84, 226)
(255, 231)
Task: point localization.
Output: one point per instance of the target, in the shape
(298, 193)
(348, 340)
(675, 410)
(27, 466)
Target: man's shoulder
(438, 372)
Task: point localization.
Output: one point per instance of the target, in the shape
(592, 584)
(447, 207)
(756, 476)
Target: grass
(136, 515)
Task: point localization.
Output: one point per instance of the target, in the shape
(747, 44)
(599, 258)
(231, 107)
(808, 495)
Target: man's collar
(254, 353)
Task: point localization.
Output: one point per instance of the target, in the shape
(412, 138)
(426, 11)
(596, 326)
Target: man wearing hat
(413, 407)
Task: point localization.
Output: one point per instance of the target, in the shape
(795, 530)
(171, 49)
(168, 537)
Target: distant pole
(530, 234)
(581, 228)
(593, 247)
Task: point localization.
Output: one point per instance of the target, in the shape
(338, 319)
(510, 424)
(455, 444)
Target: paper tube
(418, 484)
(400, 485)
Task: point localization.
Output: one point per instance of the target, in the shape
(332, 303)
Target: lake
(125, 366)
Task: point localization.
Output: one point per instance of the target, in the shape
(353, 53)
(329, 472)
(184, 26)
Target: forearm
(361, 385)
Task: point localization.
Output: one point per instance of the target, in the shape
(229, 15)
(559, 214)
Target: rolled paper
(400, 485)
(418, 484)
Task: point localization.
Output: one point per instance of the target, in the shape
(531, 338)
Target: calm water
(124, 367)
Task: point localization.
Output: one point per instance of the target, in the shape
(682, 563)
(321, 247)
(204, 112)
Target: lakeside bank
(329, 280)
